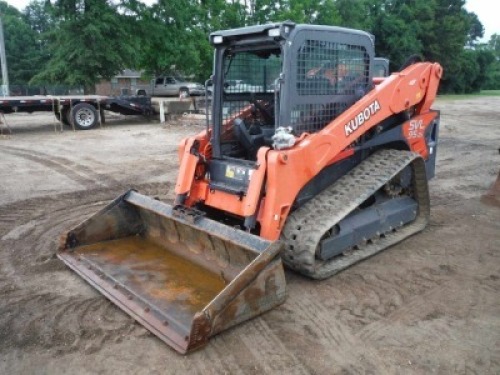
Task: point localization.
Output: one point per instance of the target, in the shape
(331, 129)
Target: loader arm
(414, 86)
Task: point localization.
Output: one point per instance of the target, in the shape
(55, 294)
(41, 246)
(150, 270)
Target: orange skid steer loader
(308, 161)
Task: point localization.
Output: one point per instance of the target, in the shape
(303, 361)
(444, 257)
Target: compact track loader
(307, 160)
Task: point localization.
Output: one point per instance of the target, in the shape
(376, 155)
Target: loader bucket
(181, 275)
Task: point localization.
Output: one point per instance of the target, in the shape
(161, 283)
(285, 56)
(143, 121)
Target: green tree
(476, 29)
(20, 45)
(321, 12)
(438, 30)
(39, 16)
(484, 60)
(494, 44)
(90, 43)
(397, 28)
(493, 71)
(79, 42)
(445, 43)
(354, 13)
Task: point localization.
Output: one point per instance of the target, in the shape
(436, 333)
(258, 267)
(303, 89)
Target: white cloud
(19, 4)
(487, 12)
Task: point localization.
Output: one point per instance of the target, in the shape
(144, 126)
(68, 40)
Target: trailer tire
(84, 116)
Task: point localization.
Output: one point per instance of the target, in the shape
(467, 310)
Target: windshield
(249, 81)
(379, 70)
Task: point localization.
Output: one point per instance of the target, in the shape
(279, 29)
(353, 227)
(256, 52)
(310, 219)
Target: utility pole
(5, 74)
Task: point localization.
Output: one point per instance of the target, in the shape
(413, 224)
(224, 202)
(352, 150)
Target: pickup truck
(237, 86)
(174, 86)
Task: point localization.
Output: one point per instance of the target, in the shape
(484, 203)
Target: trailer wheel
(84, 116)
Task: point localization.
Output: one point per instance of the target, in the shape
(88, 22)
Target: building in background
(127, 82)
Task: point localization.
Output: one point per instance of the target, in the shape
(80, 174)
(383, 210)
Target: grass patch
(483, 93)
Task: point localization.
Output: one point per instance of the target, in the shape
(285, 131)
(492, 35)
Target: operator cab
(279, 75)
(283, 74)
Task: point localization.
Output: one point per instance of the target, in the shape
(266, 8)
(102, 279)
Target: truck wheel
(84, 116)
(183, 93)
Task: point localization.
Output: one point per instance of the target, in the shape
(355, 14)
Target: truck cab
(176, 86)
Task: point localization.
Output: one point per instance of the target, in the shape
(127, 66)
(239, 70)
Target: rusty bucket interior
(185, 278)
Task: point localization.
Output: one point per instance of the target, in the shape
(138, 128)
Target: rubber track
(306, 227)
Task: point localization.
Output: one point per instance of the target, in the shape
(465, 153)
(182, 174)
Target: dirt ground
(430, 304)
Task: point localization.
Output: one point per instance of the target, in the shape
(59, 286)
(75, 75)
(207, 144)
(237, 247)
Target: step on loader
(308, 160)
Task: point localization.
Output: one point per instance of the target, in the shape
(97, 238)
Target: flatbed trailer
(80, 111)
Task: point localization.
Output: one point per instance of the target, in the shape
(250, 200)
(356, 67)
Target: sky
(486, 10)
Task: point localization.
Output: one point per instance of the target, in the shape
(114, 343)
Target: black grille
(324, 70)
(314, 117)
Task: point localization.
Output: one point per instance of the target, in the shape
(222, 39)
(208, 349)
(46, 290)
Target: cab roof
(286, 29)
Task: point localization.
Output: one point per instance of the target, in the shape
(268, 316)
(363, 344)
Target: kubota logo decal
(361, 118)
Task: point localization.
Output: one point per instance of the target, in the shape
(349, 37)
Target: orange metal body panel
(285, 172)
(414, 132)
(244, 206)
(189, 161)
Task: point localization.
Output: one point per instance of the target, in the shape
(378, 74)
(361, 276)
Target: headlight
(274, 32)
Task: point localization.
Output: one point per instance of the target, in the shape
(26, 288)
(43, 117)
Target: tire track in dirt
(260, 351)
(44, 304)
(417, 306)
(268, 350)
(436, 310)
(357, 299)
(211, 361)
(435, 318)
(354, 300)
(77, 172)
(218, 357)
(64, 324)
(312, 330)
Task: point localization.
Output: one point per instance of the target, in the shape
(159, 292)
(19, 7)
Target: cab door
(327, 71)
(171, 86)
(159, 88)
